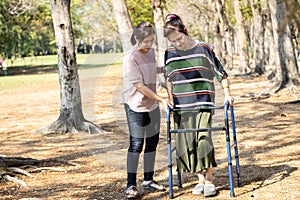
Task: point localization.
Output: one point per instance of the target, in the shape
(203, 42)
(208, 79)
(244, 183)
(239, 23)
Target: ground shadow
(42, 69)
(26, 70)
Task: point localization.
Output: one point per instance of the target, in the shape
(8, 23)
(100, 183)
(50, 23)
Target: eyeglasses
(171, 17)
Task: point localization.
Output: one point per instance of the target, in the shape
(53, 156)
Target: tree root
(70, 126)
(48, 168)
(15, 180)
(90, 127)
(19, 171)
(9, 167)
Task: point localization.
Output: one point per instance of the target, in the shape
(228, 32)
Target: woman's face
(145, 45)
(179, 40)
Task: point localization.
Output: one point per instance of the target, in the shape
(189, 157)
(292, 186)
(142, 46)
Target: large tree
(71, 118)
(286, 65)
(226, 33)
(124, 23)
(258, 37)
(157, 6)
(241, 38)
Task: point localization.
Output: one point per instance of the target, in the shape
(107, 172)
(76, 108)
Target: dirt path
(268, 136)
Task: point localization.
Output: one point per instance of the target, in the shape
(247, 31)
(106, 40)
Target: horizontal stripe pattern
(191, 73)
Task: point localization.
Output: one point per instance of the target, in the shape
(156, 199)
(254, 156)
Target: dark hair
(172, 22)
(141, 31)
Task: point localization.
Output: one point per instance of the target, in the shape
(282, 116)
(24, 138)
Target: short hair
(141, 31)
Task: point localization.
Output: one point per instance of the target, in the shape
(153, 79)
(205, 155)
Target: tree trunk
(71, 118)
(124, 23)
(159, 26)
(269, 47)
(218, 31)
(241, 39)
(161, 44)
(226, 29)
(286, 68)
(258, 37)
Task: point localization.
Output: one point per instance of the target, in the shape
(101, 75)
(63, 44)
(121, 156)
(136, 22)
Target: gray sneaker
(209, 190)
(198, 189)
(132, 193)
(154, 186)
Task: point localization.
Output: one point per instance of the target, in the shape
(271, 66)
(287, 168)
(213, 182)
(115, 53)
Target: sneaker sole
(132, 196)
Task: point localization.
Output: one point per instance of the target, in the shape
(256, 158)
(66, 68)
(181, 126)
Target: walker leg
(229, 153)
(229, 166)
(170, 169)
(237, 163)
(169, 155)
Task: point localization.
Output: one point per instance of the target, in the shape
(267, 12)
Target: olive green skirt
(194, 150)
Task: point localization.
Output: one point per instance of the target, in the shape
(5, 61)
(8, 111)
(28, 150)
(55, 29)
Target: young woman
(142, 107)
(191, 68)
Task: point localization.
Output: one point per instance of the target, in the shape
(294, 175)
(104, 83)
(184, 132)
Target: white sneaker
(209, 190)
(198, 189)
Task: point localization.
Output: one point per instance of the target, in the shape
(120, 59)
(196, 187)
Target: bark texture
(124, 23)
(241, 37)
(286, 66)
(71, 118)
(258, 37)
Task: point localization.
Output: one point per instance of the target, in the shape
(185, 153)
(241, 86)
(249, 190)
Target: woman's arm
(150, 94)
(170, 93)
(225, 85)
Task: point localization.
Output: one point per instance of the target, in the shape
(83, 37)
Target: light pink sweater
(139, 67)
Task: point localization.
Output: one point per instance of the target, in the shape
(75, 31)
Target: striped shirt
(191, 73)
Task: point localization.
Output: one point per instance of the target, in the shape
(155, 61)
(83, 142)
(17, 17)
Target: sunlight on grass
(15, 82)
(82, 59)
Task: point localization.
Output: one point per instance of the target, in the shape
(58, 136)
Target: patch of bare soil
(94, 166)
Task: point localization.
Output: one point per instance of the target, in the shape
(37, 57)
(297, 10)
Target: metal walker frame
(226, 128)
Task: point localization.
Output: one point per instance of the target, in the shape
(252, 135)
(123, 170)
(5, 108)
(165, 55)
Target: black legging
(142, 126)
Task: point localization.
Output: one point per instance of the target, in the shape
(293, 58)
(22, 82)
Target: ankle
(208, 182)
(209, 179)
(201, 177)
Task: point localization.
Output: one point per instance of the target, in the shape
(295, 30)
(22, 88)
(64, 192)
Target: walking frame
(225, 128)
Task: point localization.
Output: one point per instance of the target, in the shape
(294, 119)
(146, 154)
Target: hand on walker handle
(171, 103)
(230, 99)
(165, 104)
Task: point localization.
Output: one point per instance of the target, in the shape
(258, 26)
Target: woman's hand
(228, 96)
(165, 104)
(230, 99)
(171, 103)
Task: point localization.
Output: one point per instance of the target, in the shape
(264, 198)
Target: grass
(82, 60)
(39, 62)
(19, 82)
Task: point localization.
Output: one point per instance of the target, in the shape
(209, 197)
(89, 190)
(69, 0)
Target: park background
(264, 75)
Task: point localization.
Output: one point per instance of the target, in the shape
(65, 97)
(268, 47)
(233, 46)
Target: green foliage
(140, 10)
(229, 11)
(27, 32)
(30, 32)
(247, 12)
(94, 20)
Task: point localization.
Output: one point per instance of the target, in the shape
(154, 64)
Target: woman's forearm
(148, 92)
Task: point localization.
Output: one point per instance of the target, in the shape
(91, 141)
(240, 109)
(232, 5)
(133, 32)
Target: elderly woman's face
(179, 40)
